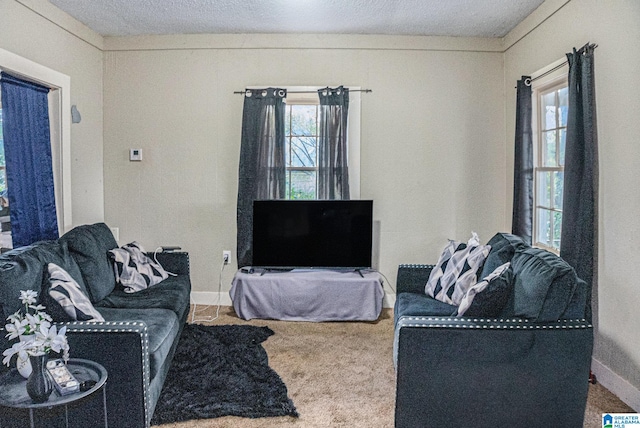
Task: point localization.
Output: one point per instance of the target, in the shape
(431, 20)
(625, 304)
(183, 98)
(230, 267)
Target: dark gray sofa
(137, 340)
(527, 365)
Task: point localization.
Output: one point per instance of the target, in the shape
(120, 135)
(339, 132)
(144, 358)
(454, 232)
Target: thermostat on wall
(135, 154)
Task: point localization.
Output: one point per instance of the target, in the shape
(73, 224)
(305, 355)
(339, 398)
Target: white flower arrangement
(34, 323)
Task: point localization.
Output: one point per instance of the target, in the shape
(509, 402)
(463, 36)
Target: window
(301, 131)
(301, 134)
(551, 104)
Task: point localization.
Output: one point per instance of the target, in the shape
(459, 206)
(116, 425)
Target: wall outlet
(226, 256)
(116, 233)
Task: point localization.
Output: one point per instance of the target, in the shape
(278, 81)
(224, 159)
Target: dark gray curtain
(579, 241)
(262, 160)
(333, 171)
(522, 219)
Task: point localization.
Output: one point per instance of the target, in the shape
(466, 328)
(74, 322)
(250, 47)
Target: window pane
(549, 110)
(549, 155)
(544, 189)
(544, 227)
(287, 151)
(563, 145)
(558, 187)
(557, 226)
(303, 185)
(303, 120)
(563, 105)
(303, 151)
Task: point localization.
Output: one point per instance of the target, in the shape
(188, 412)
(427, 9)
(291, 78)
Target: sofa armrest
(412, 278)
(174, 262)
(476, 372)
(123, 349)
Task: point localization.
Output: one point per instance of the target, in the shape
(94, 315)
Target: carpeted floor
(341, 375)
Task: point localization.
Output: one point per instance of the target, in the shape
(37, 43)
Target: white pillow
(134, 270)
(67, 293)
(456, 270)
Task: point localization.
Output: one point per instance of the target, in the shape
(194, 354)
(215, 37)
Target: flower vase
(23, 365)
(39, 383)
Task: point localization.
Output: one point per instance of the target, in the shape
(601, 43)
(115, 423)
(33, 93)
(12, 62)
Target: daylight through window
(301, 131)
(552, 104)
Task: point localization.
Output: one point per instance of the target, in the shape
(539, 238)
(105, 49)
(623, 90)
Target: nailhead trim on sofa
(121, 327)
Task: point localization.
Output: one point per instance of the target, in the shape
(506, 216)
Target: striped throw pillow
(66, 292)
(457, 270)
(134, 270)
(487, 297)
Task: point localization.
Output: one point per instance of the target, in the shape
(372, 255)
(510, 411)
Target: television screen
(317, 234)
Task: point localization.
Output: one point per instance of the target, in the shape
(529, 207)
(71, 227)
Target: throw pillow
(134, 270)
(456, 270)
(435, 282)
(64, 292)
(489, 296)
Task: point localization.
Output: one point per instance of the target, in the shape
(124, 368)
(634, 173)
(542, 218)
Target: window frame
(544, 82)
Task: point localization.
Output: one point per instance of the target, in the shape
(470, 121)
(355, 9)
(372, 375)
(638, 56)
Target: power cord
(160, 249)
(388, 282)
(195, 305)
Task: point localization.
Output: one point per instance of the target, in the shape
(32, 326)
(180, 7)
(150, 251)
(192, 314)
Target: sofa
(521, 358)
(140, 332)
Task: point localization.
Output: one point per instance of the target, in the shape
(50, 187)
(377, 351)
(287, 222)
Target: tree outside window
(553, 106)
(301, 131)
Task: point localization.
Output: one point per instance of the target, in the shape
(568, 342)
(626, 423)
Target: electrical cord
(156, 259)
(388, 282)
(195, 305)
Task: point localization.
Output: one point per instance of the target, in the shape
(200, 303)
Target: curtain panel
(262, 171)
(27, 145)
(579, 240)
(333, 171)
(522, 218)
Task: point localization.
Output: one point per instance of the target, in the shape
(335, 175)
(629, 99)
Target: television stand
(308, 294)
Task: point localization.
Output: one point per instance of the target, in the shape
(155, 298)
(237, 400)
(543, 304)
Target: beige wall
(42, 40)
(432, 154)
(437, 136)
(613, 25)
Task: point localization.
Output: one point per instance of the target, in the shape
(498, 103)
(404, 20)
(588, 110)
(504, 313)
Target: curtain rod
(546, 73)
(307, 92)
(529, 80)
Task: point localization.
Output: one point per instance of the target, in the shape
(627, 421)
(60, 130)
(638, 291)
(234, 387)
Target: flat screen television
(312, 234)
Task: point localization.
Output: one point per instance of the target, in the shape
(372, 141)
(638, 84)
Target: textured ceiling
(467, 18)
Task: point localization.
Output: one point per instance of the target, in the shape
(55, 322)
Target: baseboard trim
(389, 300)
(616, 384)
(215, 298)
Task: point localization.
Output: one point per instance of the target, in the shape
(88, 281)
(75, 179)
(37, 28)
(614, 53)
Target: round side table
(13, 390)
